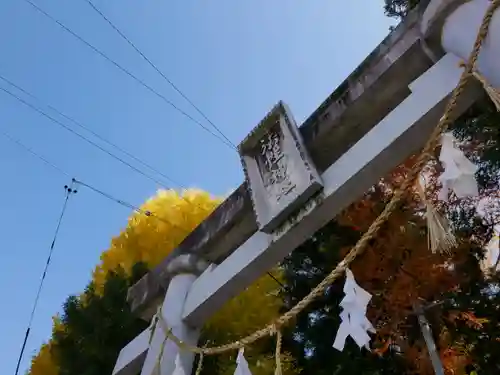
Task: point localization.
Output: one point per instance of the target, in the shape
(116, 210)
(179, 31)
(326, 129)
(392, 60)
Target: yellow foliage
(57, 325)
(242, 315)
(148, 239)
(44, 363)
(248, 311)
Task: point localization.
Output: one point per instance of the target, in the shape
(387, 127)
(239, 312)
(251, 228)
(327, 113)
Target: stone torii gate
(298, 179)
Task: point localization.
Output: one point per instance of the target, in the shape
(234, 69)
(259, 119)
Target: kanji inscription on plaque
(279, 172)
(273, 165)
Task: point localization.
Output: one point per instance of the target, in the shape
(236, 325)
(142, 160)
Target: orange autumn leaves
(399, 269)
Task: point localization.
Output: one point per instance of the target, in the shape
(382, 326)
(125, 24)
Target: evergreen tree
(472, 321)
(97, 327)
(400, 8)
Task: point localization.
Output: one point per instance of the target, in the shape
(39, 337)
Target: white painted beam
(402, 132)
(133, 355)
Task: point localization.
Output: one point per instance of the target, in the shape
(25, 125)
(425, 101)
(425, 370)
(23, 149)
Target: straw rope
(440, 237)
(200, 365)
(393, 205)
(279, 339)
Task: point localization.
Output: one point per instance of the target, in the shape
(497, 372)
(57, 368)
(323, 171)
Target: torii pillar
(151, 352)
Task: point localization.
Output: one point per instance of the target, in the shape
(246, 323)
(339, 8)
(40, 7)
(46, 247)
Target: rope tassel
(439, 236)
(200, 365)
(279, 340)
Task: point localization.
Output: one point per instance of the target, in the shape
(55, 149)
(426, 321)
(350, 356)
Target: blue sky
(235, 59)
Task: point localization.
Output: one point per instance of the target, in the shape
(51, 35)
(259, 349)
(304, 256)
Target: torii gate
(299, 179)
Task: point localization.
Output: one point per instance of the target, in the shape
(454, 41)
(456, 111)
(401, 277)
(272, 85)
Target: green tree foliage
(400, 8)
(97, 326)
(477, 332)
(474, 335)
(479, 128)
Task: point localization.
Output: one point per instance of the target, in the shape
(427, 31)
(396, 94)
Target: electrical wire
(160, 183)
(130, 74)
(179, 91)
(41, 112)
(69, 191)
(28, 149)
(95, 134)
(81, 183)
(126, 204)
(277, 281)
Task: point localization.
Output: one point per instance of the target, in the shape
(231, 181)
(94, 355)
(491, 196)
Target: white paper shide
(242, 365)
(490, 263)
(179, 368)
(459, 172)
(354, 320)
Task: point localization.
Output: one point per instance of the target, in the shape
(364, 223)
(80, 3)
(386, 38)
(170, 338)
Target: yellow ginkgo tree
(151, 234)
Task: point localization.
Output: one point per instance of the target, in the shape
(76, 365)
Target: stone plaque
(278, 169)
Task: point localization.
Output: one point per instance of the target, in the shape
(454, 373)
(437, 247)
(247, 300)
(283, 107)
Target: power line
(28, 149)
(126, 204)
(69, 191)
(162, 184)
(130, 74)
(82, 137)
(98, 136)
(277, 281)
(104, 194)
(94, 189)
(179, 91)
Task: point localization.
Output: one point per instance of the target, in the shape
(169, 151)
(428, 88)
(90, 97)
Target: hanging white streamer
(459, 172)
(179, 368)
(242, 364)
(490, 263)
(354, 320)
(488, 208)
